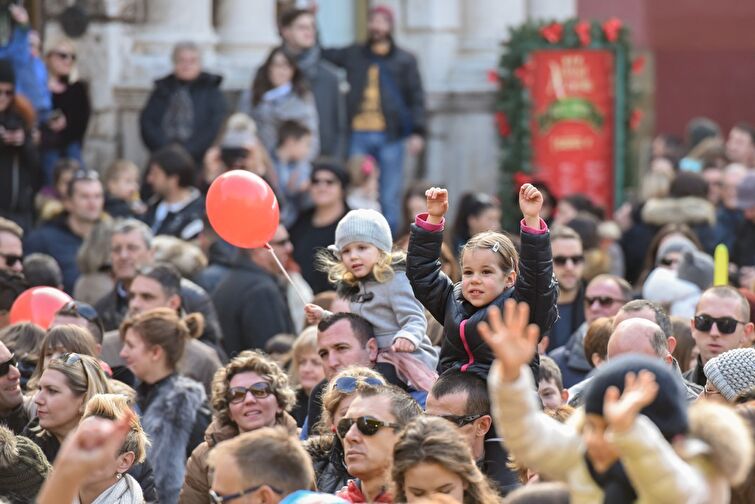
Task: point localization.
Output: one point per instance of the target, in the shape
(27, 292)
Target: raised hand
(530, 203)
(437, 204)
(620, 410)
(19, 14)
(313, 313)
(403, 345)
(512, 339)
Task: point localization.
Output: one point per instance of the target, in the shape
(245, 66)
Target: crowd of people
(373, 351)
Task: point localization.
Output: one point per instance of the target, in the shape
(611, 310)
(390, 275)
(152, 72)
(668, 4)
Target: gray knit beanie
(366, 226)
(23, 467)
(696, 267)
(732, 372)
(674, 244)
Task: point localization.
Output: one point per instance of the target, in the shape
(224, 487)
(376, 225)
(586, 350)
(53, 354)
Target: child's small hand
(403, 345)
(437, 204)
(313, 313)
(639, 391)
(530, 203)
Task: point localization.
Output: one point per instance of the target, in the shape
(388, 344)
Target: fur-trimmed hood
(728, 445)
(688, 210)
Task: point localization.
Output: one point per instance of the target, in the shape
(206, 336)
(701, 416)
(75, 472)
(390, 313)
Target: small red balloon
(38, 305)
(242, 209)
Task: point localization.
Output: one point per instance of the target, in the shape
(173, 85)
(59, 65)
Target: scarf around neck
(617, 489)
(125, 491)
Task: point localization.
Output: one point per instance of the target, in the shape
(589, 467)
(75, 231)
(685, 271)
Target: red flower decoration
(582, 29)
(524, 74)
(638, 65)
(611, 28)
(504, 129)
(493, 77)
(634, 119)
(552, 32)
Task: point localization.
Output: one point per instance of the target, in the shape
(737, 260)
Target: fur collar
(687, 210)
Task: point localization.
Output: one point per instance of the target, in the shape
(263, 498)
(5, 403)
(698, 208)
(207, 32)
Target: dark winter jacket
(326, 453)
(20, 175)
(252, 308)
(209, 112)
(185, 223)
(17, 419)
(74, 104)
(462, 346)
(56, 239)
(696, 374)
(743, 253)
(221, 259)
(174, 413)
(402, 98)
(571, 358)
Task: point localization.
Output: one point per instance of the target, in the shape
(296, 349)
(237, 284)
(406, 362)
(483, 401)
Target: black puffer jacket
(465, 348)
(326, 453)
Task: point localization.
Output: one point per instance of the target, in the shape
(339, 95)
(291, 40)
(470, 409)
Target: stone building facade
(127, 46)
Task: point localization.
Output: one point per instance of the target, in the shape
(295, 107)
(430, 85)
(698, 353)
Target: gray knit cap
(732, 372)
(366, 226)
(674, 244)
(696, 267)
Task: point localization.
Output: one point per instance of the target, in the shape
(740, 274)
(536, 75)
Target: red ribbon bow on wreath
(611, 28)
(582, 29)
(504, 129)
(552, 32)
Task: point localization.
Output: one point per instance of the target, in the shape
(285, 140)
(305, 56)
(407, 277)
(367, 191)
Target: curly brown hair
(256, 362)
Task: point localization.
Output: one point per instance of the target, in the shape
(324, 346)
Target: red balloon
(243, 209)
(38, 305)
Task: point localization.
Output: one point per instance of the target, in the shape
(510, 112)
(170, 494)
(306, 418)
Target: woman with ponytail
(173, 409)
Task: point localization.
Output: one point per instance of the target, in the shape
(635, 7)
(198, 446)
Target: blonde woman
(306, 371)
(431, 458)
(63, 133)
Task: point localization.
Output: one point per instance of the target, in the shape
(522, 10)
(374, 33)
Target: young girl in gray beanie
(373, 279)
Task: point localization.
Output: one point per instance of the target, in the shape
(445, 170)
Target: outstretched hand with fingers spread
(620, 409)
(512, 339)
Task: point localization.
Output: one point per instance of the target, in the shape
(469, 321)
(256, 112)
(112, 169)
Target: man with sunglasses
(13, 412)
(11, 247)
(568, 266)
(604, 297)
(62, 237)
(721, 323)
(463, 400)
(264, 465)
(369, 432)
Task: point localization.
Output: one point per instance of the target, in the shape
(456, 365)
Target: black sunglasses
(64, 55)
(5, 366)
(220, 499)
(604, 301)
(320, 181)
(11, 259)
(69, 359)
(461, 421)
(259, 390)
(665, 261)
(349, 384)
(725, 325)
(367, 425)
(78, 309)
(562, 260)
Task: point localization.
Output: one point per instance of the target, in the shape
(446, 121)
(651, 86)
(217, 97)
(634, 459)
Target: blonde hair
(118, 167)
(186, 257)
(256, 362)
(383, 270)
(305, 343)
(332, 397)
(499, 244)
(74, 75)
(113, 407)
(434, 440)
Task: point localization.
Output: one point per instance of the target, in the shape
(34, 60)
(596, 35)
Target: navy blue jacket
(56, 239)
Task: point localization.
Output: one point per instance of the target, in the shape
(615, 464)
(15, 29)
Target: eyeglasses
(220, 499)
(69, 359)
(562, 260)
(5, 366)
(349, 384)
(321, 181)
(83, 174)
(367, 425)
(461, 421)
(11, 259)
(259, 390)
(64, 55)
(604, 301)
(725, 325)
(667, 261)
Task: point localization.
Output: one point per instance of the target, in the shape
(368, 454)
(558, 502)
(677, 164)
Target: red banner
(572, 122)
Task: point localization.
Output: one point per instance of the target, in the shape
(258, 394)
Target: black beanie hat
(669, 409)
(334, 168)
(7, 74)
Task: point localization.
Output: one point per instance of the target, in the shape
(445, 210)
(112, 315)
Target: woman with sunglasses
(249, 393)
(430, 458)
(326, 449)
(63, 133)
(173, 408)
(19, 162)
(65, 387)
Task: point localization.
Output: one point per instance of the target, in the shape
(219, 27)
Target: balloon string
(285, 273)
